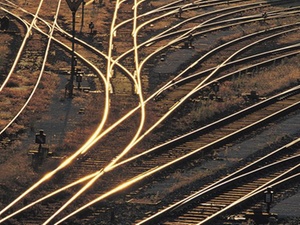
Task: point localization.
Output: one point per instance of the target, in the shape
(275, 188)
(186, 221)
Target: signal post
(73, 5)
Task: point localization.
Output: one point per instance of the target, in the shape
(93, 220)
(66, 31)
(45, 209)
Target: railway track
(171, 101)
(19, 89)
(63, 41)
(193, 76)
(243, 185)
(178, 149)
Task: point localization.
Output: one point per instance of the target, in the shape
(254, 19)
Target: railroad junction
(149, 112)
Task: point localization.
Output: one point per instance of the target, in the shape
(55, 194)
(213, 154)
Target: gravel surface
(62, 116)
(289, 207)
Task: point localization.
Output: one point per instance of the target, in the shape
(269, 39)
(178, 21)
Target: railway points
(140, 131)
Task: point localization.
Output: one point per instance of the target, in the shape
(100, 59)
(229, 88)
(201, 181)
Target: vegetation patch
(265, 82)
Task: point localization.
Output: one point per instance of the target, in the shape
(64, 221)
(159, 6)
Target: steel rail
(210, 126)
(28, 33)
(175, 161)
(50, 174)
(245, 68)
(227, 180)
(84, 179)
(97, 51)
(199, 60)
(35, 86)
(195, 5)
(119, 58)
(124, 118)
(101, 174)
(62, 165)
(249, 19)
(279, 96)
(251, 194)
(243, 49)
(13, 68)
(245, 170)
(117, 189)
(216, 187)
(57, 27)
(78, 55)
(198, 87)
(257, 192)
(128, 147)
(186, 32)
(82, 43)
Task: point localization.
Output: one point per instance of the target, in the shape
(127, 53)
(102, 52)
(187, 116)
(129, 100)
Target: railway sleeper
(185, 220)
(191, 217)
(226, 197)
(179, 223)
(237, 194)
(172, 223)
(221, 201)
(207, 210)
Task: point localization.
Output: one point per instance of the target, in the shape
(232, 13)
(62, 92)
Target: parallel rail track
(215, 199)
(207, 68)
(181, 150)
